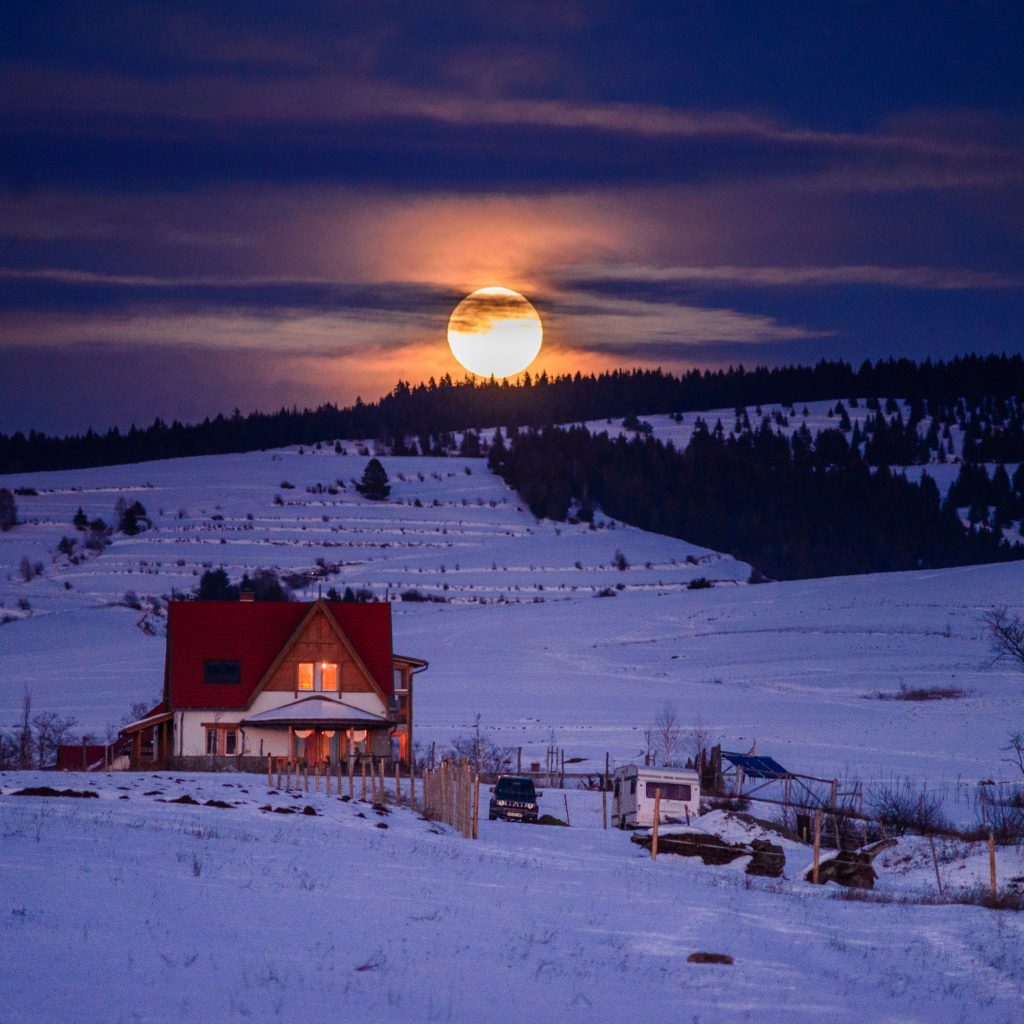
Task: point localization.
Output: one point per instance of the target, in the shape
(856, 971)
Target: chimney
(246, 595)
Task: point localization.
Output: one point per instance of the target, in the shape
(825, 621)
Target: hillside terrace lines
(457, 543)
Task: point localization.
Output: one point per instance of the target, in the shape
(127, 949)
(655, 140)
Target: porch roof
(316, 712)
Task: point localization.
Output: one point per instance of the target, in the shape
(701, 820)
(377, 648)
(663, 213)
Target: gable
(254, 634)
(319, 639)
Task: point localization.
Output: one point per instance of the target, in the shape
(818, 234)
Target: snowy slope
(196, 913)
(522, 639)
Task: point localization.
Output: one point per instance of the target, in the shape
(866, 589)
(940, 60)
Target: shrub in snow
(901, 807)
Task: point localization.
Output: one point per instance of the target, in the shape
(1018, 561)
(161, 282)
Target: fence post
(992, 863)
(270, 771)
(604, 808)
(476, 807)
(935, 862)
(657, 816)
(817, 846)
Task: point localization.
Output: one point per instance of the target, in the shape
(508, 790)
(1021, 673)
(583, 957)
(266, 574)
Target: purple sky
(256, 205)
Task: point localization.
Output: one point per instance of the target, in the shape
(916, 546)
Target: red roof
(253, 634)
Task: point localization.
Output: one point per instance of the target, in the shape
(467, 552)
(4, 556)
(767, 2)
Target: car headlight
(531, 807)
(501, 803)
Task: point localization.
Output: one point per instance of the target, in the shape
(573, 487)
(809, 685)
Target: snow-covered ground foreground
(126, 908)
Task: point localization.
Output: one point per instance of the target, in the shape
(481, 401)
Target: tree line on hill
(446, 405)
(783, 504)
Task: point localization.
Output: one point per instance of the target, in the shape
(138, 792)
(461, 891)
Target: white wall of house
(190, 726)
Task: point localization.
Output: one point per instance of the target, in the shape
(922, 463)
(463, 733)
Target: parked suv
(514, 799)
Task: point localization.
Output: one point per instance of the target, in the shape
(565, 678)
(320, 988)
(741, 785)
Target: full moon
(495, 332)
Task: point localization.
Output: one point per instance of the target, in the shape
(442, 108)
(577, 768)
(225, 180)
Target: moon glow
(495, 332)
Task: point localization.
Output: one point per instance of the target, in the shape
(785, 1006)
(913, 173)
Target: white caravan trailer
(633, 795)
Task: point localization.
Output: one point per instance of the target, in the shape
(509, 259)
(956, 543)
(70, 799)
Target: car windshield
(515, 789)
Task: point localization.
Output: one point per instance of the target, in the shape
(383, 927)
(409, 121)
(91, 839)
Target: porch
(325, 732)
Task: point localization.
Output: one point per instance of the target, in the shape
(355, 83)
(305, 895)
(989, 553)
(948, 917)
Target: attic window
(317, 675)
(222, 673)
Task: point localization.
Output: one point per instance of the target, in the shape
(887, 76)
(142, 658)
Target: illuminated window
(305, 675)
(328, 676)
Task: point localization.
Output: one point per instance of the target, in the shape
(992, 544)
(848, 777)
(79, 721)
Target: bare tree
(1006, 635)
(136, 712)
(51, 731)
(667, 734)
(1016, 750)
(481, 752)
(698, 740)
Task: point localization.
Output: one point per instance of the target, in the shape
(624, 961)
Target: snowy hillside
(550, 633)
(521, 636)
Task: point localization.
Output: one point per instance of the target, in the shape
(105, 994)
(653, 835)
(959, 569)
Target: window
(328, 676)
(212, 736)
(230, 741)
(632, 785)
(669, 791)
(318, 675)
(217, 672)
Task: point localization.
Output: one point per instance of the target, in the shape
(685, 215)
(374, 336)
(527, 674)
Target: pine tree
(374, 484)
(8, 510)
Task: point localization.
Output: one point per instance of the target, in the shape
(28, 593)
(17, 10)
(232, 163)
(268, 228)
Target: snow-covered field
(199, 913)
(521, 639)
(127, 908)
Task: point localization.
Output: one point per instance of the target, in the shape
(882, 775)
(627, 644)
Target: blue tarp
(755, 766)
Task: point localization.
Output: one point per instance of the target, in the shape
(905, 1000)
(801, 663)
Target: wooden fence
(451, 794)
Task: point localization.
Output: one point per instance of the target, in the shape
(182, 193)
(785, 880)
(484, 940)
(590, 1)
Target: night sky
(205, 206)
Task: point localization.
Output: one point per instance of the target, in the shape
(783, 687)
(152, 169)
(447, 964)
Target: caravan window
(669, 790)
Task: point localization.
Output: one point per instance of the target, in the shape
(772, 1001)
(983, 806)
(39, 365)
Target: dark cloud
(218, 204)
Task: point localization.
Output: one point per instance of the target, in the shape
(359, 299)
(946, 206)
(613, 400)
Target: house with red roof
(313, 681)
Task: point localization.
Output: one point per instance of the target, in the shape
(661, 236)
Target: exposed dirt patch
(50, 791)
(709, 958)
(710, 849)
